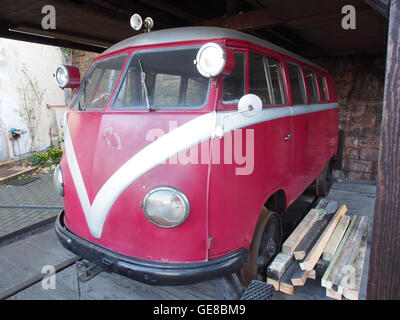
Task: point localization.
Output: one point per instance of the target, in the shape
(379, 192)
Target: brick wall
(82, 60)
(360, 85)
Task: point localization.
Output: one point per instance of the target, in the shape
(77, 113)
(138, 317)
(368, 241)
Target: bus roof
(200, 33)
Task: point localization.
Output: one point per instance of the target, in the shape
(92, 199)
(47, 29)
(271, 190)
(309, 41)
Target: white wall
(41, 62)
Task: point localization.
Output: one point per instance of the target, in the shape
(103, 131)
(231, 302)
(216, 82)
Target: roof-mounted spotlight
(137, 23)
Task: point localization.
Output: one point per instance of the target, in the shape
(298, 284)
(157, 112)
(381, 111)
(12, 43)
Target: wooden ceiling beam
(5, 33)
(251, 20)
(172, 10)
(232, 7)
(379, 6)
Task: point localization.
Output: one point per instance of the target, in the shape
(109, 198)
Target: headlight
(67, 76)
(210, 60)
(62, 76)
(166, 207)
(58, 181)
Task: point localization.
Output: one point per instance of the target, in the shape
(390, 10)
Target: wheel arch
(276, 202)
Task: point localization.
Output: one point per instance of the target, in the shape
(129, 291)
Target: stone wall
(360, 85)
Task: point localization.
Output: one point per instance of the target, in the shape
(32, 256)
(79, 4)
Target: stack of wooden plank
(327, 243)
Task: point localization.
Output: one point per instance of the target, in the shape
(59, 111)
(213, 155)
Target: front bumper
(147, 271)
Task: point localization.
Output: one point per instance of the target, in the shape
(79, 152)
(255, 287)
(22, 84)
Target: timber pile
(327, 243)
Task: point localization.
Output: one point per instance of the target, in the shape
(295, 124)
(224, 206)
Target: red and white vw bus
(183, 149)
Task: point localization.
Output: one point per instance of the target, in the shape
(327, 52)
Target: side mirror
(249, 106)
(213, 59)
(67, 76)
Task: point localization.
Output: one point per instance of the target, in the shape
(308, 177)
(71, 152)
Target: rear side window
(323, 88)
(296, 83)
(312, 86)
(233, 86)
(265, 79)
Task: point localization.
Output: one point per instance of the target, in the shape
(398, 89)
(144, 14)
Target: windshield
(96, 88)
(171, 80)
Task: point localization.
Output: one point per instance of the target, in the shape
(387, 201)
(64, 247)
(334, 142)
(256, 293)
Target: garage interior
(363, 61)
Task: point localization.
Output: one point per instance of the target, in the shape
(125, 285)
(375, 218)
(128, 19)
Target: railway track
(36, 279)
(303, 204)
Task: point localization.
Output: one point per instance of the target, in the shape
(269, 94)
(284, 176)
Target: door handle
(288, 137)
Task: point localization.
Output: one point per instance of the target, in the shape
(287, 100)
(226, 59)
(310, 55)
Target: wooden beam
(327, 278)
(251, 20)
(298, 234)
(232, 7)
(311, 237)
(351, 252)
(384, 265)
(379, 6)
(319, 19)
(299, 277)
(63, 35)
(173, 10)
(279, 265)
(286, 285)
(5, 33)
(337, 236)
(312, 258)
(330, 293)
(354, 293)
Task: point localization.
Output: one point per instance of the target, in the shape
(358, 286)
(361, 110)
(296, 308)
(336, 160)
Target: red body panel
(224, 206)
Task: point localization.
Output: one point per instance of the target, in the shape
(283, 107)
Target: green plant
(50, 157)
(66, 52)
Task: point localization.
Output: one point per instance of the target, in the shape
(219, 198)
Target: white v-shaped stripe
(189, 134)
(182, 138)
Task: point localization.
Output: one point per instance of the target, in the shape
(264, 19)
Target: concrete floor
(25, 258)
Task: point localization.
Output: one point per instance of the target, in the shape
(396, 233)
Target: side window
(296, 84)
(312, 86)
(265, 79)
(258, 78)
(275, 76)
(324, 89)
(233, 86)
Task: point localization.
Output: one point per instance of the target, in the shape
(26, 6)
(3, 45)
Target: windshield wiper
(144, 86)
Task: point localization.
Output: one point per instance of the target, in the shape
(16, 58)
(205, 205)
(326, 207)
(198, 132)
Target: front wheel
(265, 245)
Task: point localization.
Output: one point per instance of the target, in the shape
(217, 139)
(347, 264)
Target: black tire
(266, 244)
(324, 181)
